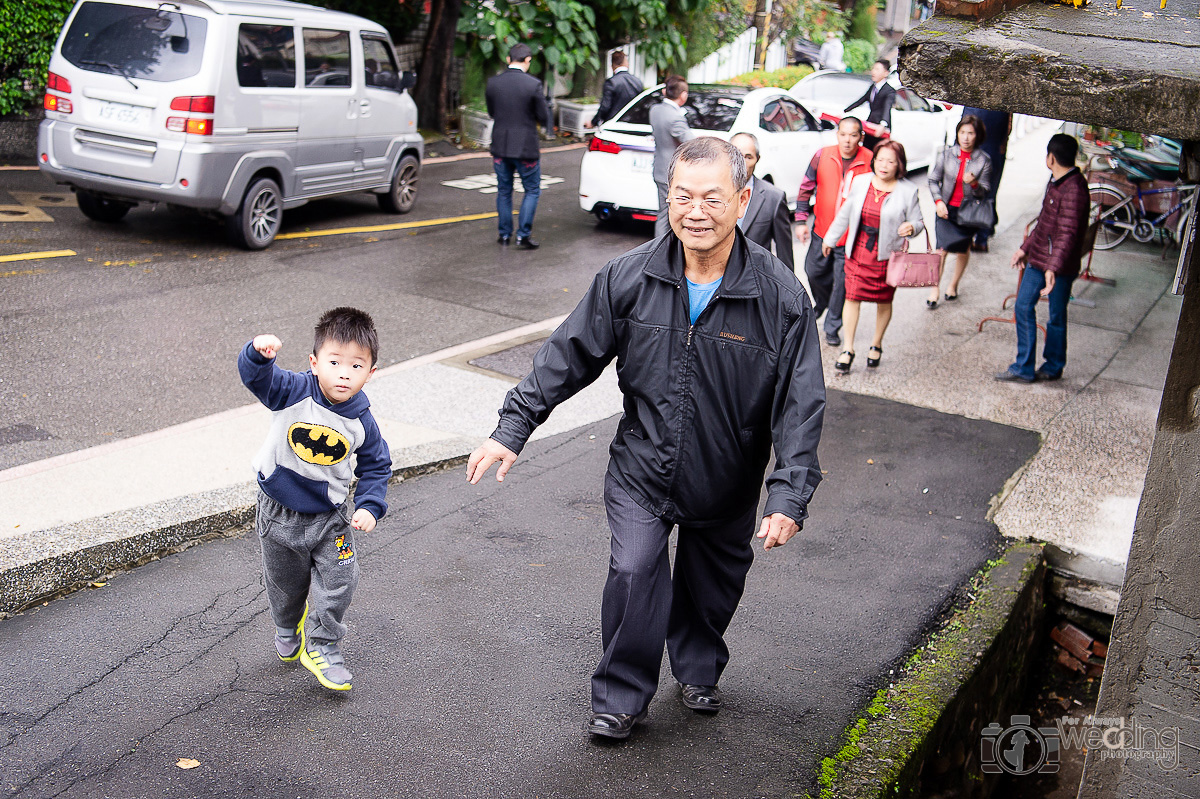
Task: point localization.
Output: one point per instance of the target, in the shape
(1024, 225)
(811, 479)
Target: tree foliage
(562, 32)
(28, 31)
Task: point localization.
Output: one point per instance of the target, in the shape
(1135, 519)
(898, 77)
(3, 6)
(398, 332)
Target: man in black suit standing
(767, 219)
(881, 97)
(622, 87)
(516, 102)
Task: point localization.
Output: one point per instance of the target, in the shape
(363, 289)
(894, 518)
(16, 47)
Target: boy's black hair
(1064, 148)
(347, 325)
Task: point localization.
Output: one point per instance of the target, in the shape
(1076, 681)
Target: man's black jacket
(881, 106)
(515, 101)
(703, 404)
(618, 91)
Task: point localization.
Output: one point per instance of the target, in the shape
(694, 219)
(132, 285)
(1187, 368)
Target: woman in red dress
(881, 210)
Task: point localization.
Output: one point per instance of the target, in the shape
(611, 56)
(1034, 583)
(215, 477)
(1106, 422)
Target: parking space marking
(23, 213)
(397, 226)
(35, 256)
(45, 199)
(24, 272)
(486, 183)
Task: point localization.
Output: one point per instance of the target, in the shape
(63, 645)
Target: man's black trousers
(643, 607)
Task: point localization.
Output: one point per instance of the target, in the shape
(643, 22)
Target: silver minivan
(238, 108)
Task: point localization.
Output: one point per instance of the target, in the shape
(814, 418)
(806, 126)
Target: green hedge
(860, 55)
(784, 78)
(28, 30)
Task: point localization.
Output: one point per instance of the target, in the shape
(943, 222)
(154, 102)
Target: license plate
(643, 162)
(125, 114)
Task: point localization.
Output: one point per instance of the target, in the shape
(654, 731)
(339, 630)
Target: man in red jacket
(822, 191)
(1051, 255)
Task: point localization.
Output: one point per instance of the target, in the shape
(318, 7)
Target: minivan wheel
(100, 208)
(257, 222)
(402, 195)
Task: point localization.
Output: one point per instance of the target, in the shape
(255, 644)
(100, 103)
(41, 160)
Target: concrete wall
(1152, 677)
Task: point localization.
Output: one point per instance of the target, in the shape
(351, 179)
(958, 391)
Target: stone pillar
(1152, 675)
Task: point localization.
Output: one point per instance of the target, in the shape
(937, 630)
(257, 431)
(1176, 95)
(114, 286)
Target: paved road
(138, 331)
(475, 630)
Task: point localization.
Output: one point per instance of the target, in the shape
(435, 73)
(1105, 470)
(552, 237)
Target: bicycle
(1120, 215)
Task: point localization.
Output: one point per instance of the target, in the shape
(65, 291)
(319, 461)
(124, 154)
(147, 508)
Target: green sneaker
(325, 661)
(289, 643)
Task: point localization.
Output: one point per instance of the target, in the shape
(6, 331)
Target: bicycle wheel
(1113, 209)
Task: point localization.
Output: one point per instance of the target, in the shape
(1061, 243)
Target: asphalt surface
(475, 629)
(137, 331)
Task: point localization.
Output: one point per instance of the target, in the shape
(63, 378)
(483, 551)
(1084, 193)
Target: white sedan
(615, 178)
(923, 127)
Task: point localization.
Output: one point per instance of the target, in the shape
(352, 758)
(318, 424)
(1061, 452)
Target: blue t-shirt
(699, 295)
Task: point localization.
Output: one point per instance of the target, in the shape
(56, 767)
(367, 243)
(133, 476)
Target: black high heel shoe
(873, 362)
(844, 366)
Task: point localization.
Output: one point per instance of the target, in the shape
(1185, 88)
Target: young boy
(320, 419)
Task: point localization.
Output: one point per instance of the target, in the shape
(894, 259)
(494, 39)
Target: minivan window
(266, 55)
(135, 42)
(379, 65)
(326, 58)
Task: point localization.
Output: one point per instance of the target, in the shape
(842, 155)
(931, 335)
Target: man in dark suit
(516, 102)
(881, 97)
(622, 87)
(767, 219)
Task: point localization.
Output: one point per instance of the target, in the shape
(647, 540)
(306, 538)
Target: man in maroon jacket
(1051, 255)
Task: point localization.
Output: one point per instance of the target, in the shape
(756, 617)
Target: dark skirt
(951, 237)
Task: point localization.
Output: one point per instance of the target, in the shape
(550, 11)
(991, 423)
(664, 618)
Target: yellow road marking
(23, 273)
(34, 256)
(398, 226)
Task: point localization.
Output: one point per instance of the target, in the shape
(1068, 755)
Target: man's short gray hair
(706, 150)
(751, 137)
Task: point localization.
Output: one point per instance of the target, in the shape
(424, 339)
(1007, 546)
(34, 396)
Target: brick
(1073, 639)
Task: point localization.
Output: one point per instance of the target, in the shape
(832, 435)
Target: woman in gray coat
(880, 211)
(962, 171)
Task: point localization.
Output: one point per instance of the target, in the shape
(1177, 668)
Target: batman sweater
(305, 463)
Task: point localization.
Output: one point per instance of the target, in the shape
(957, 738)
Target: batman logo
(316, 443)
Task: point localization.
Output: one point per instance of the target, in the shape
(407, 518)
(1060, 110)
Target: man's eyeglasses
(710, 205)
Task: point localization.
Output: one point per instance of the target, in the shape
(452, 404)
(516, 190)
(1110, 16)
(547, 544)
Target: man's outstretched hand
(481, 460)
(777, 529)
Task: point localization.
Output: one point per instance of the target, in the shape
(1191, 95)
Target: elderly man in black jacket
(516, 102)
(622, 87)
(717, 358)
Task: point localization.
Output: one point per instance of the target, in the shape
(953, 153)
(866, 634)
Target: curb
(42, 579)
(923, 732)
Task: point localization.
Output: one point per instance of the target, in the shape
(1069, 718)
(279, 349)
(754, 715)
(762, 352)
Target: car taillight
(195, 105)
(200, 127)
(53, 102)
(600, 145)
(58, 83)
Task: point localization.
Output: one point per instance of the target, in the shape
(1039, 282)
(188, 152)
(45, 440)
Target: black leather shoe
(1042, 374)
(1011, 377)
(702, 698)
(527, 243)
(614, 725)
(503, 239)
(833, 339)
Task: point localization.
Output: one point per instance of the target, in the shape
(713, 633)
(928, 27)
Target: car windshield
(135, 42)
(705, 110)
(834, 89)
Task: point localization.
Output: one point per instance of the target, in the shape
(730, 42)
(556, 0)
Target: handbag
(914, 269)
(977, 213)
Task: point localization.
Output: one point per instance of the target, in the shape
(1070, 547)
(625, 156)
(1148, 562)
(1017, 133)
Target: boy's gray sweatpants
(307, 557)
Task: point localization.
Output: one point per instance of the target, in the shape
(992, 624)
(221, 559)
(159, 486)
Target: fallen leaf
(870, 462)
(187, 762)
(98, 585)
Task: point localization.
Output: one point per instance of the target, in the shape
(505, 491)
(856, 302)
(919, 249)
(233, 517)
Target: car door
(383, 110)
(788, 136)
(916, 127)
(326, 154)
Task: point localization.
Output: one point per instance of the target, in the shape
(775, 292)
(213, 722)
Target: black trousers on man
(827, 280)
(643, 606)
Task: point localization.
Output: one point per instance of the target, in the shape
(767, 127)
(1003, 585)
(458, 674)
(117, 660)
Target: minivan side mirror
(408, 80)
